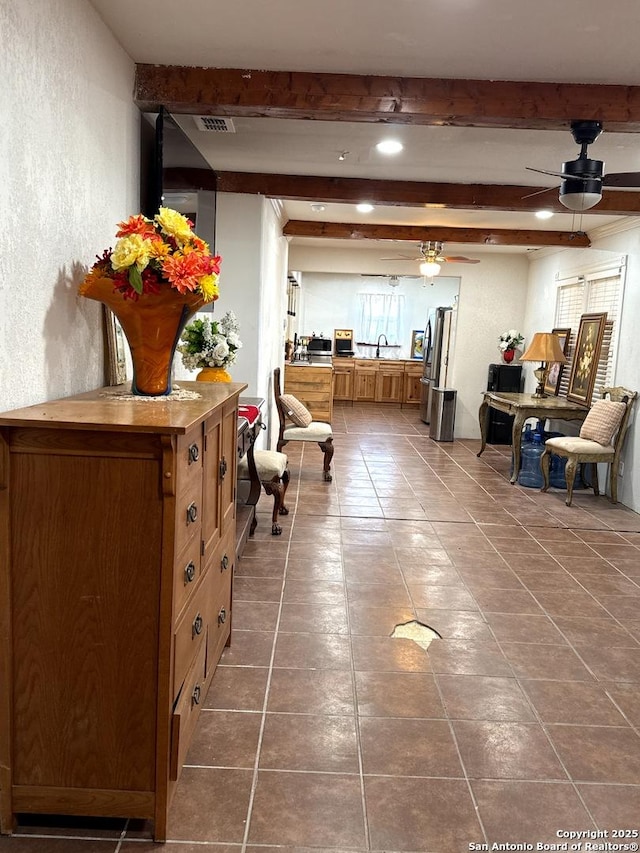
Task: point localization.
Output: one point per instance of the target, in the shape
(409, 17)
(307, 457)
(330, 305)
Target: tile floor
(322, 733)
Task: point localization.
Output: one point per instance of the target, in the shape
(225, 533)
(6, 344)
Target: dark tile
(313, 592)
(572, 702)
(569, 603)
(210, 805)
(375, 594)
(545, 661)
(420, 814)
(225, 739)
(612, 806)
(313, 651)
(255, 615)
(309, 742)
(249, 648)
(313, 618)
(476, 697)
(256, 589)
(397, 694)
(496, 750)
(321, 810)
(26, 844)
(389, 654)
(456, 624)
(519, 628)
(603, 633)
(612, 664)
(311, 691)
(369, 620)
(176, 847)
(626, 698)
(404, 747)
(507, 601)
(597, 753)
(237, 688)
(541, 808)
(467, 657)
(441, 597)
(258, 567)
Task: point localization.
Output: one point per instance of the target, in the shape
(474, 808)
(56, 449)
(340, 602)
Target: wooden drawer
(186, 575)
(189, 460)
(191, 631)
(186, 714)
(222, 564)
(220, 625)
(188, 514)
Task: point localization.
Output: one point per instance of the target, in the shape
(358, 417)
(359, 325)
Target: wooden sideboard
(117, 548)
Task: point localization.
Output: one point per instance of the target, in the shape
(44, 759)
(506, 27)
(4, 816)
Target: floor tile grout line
(256, 766)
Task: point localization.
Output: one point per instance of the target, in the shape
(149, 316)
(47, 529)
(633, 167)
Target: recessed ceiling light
(544, 214)
(365, 207)
(389, 146)
(318, 208)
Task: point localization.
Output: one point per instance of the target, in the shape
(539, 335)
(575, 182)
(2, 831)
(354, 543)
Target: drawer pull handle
(198, 625)
(192, 513)
(189, 572)
(195, 696)
(222, 617)
(194, 453)
(223, 468)
(224, 563)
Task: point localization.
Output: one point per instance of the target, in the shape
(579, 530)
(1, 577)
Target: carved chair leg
(569, 476)
(613, 480)
(544, 467)
(276, 489)
(327, 449)
(594, 478)
(285, 485)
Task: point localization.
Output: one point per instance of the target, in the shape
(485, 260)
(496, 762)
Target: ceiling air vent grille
(214, 124)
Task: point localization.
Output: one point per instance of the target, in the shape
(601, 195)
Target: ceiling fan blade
(546, 172)
(540, 192)
(402, 258)
(458, 259)
(622, 179)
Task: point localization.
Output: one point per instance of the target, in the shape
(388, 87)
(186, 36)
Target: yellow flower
(131, 250)
(158, 249)
(209, 287)
(174, 224)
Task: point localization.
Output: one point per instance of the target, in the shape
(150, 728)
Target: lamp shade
(580, 195)
(429, 268)
(545, 346)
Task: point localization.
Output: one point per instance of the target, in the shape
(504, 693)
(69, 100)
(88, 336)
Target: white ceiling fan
(431, 258)
(392, 280)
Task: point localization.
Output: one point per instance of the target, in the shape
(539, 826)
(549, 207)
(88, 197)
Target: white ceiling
(568, 41)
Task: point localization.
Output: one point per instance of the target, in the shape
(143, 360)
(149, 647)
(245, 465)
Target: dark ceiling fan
(431, 258)
(583, 178)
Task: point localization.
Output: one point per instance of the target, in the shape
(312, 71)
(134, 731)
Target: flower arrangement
(151, 253)
(510, 340)
(210, 343)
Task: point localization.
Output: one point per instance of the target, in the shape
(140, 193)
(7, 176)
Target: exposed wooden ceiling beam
(421, 233)
(394, 193)
(397, 100)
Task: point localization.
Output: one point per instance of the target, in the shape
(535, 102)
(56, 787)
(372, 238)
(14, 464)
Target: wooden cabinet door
(389, 386)
(343, 383)
(228, 463)
(365, 384)
(412, 387)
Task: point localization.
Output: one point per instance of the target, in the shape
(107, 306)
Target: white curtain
(381, 314)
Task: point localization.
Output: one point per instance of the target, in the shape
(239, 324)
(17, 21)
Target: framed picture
(115, 350)
(552, 385)
(586, 357)
(417, 344)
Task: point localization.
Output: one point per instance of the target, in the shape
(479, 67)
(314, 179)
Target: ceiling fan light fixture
(429, 268)
(580, 195)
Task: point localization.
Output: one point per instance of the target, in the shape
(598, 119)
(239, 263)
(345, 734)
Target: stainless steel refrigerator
(435, 359)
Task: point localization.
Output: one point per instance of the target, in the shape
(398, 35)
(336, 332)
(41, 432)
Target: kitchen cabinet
(117, 549)
(389, 381)
(343, 373)
(412, 377)
(313, 385)
(364, 381)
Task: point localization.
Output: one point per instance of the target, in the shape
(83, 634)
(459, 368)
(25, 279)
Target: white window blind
(593, 293)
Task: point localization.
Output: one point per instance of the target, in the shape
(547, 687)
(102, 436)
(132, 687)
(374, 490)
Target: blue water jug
(530, 474)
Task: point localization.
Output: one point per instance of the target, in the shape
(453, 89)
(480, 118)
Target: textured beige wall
(69, 167)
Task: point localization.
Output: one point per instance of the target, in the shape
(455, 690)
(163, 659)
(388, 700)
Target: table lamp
(545, 348)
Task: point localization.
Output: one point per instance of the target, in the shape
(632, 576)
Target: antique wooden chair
(316, 431)
(273, 473)
(586, 449)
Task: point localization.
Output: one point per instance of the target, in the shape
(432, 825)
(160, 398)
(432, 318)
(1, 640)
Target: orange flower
(137, 225)
(183, 270)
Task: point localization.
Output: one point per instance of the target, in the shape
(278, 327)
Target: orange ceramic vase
(213, 374)
(152, 326)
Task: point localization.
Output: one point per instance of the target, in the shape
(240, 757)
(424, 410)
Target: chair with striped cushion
(273, 472)
(316, 431)
(601, 438)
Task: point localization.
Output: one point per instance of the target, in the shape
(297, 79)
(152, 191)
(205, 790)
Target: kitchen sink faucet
(386, 343)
